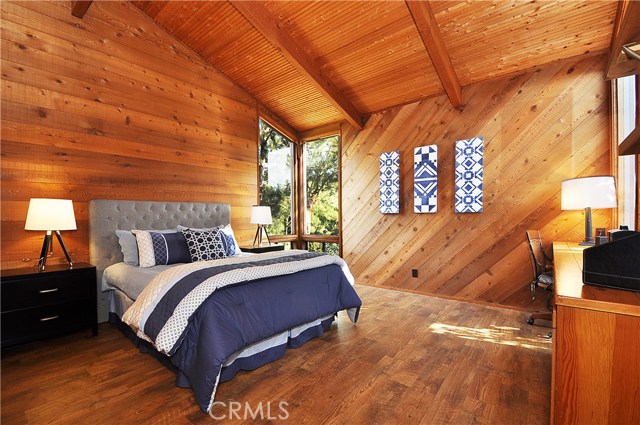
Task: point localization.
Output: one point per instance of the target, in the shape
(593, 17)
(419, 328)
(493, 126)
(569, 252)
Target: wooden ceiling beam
(427, 26)
(80, 7)
(626, 30)
(631, 144)
(267, 24)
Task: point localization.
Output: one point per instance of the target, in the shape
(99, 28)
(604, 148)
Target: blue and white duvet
(201, 313)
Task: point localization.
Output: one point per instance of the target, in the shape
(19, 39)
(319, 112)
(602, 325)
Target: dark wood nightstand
(259, 249)
(38, 305)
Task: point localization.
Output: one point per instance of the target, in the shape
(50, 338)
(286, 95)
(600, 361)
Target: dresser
(596, 347)
(37, 305)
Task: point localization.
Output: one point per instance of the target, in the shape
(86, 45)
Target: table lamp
(261, 215)
(586, 193)
(51, 216)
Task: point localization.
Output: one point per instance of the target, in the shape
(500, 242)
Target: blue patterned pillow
(155, 248)
(205, 244)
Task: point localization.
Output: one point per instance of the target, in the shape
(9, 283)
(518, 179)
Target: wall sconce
(51, 216)
(261, 215)
(586, 193)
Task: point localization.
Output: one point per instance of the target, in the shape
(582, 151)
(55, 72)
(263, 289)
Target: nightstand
(259, 249)
(37, 305)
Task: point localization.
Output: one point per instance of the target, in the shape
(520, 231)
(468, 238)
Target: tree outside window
(321, 186)
(275, 154)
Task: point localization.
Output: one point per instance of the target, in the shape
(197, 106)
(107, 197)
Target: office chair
(542, 271)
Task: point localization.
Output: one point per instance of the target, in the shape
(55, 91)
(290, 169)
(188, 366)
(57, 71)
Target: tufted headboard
(106, 216)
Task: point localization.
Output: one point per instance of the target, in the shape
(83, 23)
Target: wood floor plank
(410, 359)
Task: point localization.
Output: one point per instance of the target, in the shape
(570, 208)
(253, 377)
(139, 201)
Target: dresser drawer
(24, 325)
(46, 290)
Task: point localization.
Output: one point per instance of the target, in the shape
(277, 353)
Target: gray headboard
(107, 215)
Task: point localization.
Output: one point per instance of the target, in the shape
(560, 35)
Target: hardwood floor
(411, 359)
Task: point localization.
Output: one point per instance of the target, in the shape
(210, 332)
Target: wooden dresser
(596, 347)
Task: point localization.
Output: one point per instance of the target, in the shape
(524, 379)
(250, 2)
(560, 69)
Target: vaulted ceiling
(315, 63)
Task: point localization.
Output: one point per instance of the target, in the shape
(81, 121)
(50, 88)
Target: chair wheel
(530, 321)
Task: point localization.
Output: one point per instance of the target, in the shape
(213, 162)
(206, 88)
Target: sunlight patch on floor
(503, 335)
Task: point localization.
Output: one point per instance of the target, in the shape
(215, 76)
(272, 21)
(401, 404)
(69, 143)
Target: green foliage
(330, 248)
(321, 161)
(322, 188)
(277, 196)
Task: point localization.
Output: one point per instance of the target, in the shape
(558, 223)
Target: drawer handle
(46, 319)
(46, 291)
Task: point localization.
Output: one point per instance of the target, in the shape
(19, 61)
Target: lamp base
(47, 244)
(587, 243)
(258, 236)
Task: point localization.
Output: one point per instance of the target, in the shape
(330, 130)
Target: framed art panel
(390, 182)
(469, 175)
(425, 179)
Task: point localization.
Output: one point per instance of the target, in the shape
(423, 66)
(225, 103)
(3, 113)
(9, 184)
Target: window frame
(300, 240)
(304, 237)
(625, 169)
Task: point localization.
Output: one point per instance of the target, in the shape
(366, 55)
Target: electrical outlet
(414, 272)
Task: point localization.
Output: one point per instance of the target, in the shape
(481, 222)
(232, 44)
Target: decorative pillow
(156, 248)
(205, 244)
(231, 244)
(129, 244)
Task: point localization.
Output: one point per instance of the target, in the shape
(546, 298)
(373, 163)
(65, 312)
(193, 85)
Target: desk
(596, 347)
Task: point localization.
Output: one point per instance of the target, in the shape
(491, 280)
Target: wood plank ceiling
(372, 53)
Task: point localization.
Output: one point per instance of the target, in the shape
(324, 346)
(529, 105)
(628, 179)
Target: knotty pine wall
(539, 129)
(112, 107)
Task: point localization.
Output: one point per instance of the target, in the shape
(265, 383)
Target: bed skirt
(249, 358)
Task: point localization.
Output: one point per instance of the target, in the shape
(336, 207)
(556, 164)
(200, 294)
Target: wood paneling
(410, 359)
(373, 53)
(539, 128)
(111, 106)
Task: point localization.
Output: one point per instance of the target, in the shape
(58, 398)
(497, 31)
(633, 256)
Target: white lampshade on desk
(261, 215)
(50, 216)
(585, 193)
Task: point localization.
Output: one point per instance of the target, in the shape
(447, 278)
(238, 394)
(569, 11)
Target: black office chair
(542, 271)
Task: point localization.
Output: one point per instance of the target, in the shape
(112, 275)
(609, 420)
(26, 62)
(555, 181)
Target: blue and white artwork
(425, 179)
(469, 172)
(390, 182)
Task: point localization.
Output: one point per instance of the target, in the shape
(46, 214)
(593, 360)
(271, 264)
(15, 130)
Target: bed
(210, 319)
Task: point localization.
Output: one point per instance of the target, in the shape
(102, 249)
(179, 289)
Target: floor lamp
(587, 193)
(50, 216)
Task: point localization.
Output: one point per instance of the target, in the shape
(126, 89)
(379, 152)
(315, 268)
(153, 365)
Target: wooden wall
(539, 129)
(112, 107)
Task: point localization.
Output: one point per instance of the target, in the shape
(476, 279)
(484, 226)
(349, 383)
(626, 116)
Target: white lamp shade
(589, 192)
(261, 214)
(50, 214)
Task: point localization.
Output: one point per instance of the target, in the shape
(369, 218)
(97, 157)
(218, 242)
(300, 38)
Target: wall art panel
(469, 171)
(425, 179)
(390, 182)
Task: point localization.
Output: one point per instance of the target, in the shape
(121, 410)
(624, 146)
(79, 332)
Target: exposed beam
(260, 17)
(626, 30)
(631, 144)
(80, 7)
(427, 26)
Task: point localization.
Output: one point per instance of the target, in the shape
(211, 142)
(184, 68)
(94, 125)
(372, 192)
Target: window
(301, 183)
(321, 187)
(625, 95)
(321, 194)
(275, 158)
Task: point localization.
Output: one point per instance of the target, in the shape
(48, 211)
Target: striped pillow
(155, 248)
